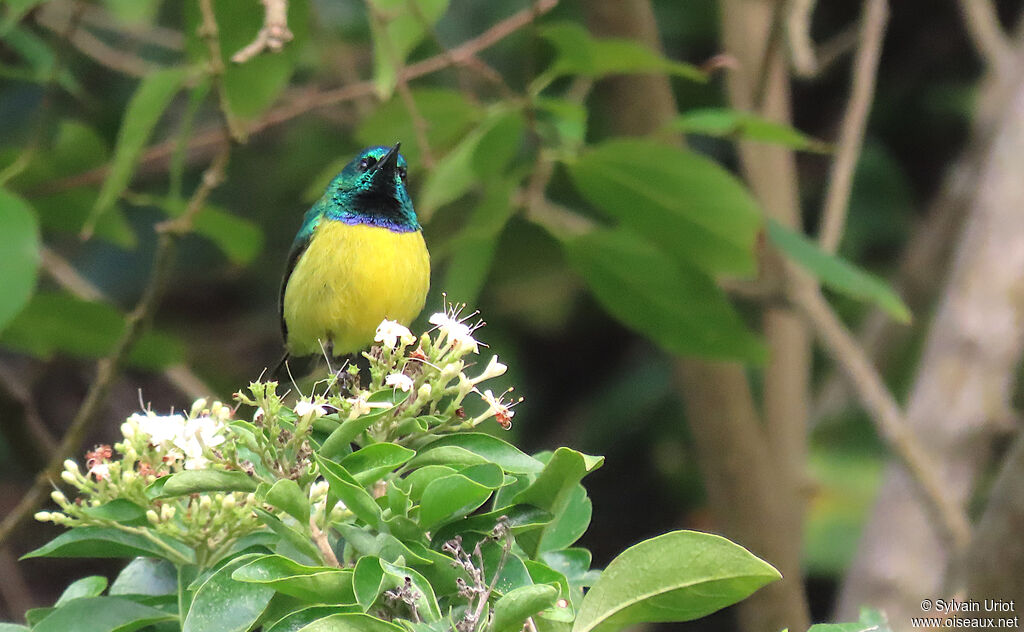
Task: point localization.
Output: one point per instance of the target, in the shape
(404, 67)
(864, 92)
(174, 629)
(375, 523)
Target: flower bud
(204, 503)
(152, 517)
(197, 407)
(43, 516)
(424, 392)
(167, 512)
(70, 466)
(229, 502)
(69, 477)
(58, 497)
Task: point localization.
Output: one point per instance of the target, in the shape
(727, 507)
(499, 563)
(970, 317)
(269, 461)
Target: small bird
(359, 258)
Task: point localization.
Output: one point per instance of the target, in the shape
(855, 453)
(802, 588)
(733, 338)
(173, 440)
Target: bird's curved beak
(384, 170)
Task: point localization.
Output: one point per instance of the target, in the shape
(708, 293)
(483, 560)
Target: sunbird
(358, 259)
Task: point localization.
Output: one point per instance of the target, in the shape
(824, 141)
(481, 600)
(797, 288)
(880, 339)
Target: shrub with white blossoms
(374, 502)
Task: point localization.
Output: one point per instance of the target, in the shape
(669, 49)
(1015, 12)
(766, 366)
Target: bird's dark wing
(298, 248)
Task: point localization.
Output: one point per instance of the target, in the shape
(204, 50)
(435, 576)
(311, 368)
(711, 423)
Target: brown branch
(889, 419)
(272, 36)
(851, 135)
(322, 544)
(93, 47)
(464, 54)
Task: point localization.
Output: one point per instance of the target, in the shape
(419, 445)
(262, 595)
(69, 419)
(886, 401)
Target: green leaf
(355, 497)
(696, 211)
(92, 586)
(370, 464)
(301, 618)
(12, 627)
(19, 255)
(118, 510)
(448, 114)
(396, 32)
(487, 474)
(198, 481)
(145, 108)
(425, 600)
(474, 249)
(146, 576)
(315, 584)
(338, 442)
(483, 153)
(570, 524)
(870, 621)
(419, 478)
(288, 497)
(351, 623)
(297, 541)
(57, 321)
(447, 455)
(520, 518)
(449, 497)
(680, 308)
(222, 604)
(102, 614)
(837, 274)
(729, 123)
(109, 542)
(553, 490)
(678, 576)
(579, 53)
(368, 581)
(238, 238)
(563, 611)
(491, 449)
(516, 606)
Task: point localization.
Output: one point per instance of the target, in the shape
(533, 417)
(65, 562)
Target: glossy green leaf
(19, 255)
(491, 449)
(836, 273)
(573, 563)
(870, 621)
(295, 541)
(447, 455)
(297, 620)
(448, 114)
(513, 574)
(368, 581)
(12, 627)
(92, 586)
(315, 584)
(570, 524)
(198, 481)
(337, 443)
(680, 308)
(118, 510)
(108, 542)
(425, 600)
(355, 496)
(564, 609)
(487, 474)
(102, 614)
(419, 478)
(370, 464)
(146, 576)
(694, 210)
(222, 604)
(729, 123)
(382, 545)
(145, 108)
(397, 30)
(287, 496)
(512, 610)
(520, 519)
(351, 623)
(482, 153)
(58, 322)
(678, 576)
(580, 53)
(450, 497)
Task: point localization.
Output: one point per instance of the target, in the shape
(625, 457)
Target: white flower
(304, 407)
(256, 416)
(360, 406)
(390, 332)
(161, 429)
(198, 434)
(494, 369)
(100, 471)
(400, 381)
(497, 408)
(451, 325)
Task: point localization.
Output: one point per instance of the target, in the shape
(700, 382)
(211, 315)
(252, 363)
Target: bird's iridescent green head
(372, 190)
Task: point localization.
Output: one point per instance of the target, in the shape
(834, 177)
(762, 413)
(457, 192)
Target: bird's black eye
(403, 174)
(367, 162)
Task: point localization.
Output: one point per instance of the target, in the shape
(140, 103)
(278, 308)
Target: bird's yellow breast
(349, 279)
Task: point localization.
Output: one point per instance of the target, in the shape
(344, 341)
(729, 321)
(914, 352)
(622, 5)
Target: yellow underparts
(350, 278)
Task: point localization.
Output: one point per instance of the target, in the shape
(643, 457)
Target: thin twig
(93, 47)
(322, 544)
(272, 36)
(889, 419)
(851, 135)
(465, 53)
(210, 34)
(987, 34)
